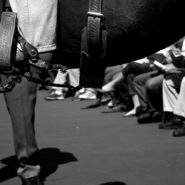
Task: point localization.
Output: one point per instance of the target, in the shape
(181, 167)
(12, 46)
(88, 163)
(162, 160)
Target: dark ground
(88, 147)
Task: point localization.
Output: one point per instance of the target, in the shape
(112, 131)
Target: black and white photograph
(92, 92)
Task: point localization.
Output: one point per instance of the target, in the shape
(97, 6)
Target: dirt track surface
(88, 147)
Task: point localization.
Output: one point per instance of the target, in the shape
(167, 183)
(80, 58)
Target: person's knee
(137, 81)
(149, 86)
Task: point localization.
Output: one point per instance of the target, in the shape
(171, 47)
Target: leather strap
(93, 47)
(7, 32)
(94, 28)
(2, 6)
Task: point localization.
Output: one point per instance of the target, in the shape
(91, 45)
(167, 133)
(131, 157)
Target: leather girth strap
(7, 30)
(2, 5)
(93, 47)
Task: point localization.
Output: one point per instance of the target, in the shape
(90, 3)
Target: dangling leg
(21, 106)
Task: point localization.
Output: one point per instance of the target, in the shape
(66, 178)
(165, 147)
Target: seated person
(171, 88)
(179, 112)
(121, 86)
(149, 89)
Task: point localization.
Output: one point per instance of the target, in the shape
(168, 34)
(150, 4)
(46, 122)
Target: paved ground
(88, 147)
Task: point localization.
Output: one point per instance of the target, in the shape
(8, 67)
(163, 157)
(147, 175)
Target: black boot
(150, 117)
(172, 122)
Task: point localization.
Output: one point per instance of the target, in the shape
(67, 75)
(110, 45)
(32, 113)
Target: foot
(150, 117)
(88, 95)
(119, 108)
(173, 123)
(54, 96)
(140, 110)
(130, 113)
(32, 181)
(116, 108)
(179, 132)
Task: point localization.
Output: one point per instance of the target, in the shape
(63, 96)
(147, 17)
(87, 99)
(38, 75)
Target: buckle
(95, 14)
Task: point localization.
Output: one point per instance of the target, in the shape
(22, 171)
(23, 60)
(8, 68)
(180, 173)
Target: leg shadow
(49, 159)
(8, 171)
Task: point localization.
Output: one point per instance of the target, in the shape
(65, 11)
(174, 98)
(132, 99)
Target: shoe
(140, 110)
(150, 117)
(113, 102)
(116, 108)
(110, 104)
(54, 96)
(77, 93)
(167, 116)
(119, 108)
(130, 113)
(32, 181)
(173, 123)
(88, 95)
(179, 132)
(105, 99)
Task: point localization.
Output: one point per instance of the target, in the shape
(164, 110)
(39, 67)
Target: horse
(136, 28)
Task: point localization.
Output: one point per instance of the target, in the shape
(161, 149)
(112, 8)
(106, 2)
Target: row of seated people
(141, 88)
(150, 91)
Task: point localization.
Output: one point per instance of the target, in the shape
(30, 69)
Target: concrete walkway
(88, 147)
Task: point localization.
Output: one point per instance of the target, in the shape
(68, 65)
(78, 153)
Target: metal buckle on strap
(95, 14)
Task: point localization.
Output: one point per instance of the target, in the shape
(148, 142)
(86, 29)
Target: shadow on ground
(114, 183)
(50, 159)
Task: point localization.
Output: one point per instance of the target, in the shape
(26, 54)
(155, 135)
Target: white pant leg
(73, 77)
(180, 106)
(60, 78)
(170, 95)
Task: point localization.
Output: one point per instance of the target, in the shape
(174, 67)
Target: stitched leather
(7, 31)
(93, 47)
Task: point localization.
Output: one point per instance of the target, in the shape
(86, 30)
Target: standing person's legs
(21, 103)
(58, 93)
(39, 31)
(73, 77)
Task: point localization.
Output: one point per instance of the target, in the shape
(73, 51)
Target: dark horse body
(136, 28)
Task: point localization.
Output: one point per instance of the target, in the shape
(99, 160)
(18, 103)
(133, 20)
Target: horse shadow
(49, 159)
